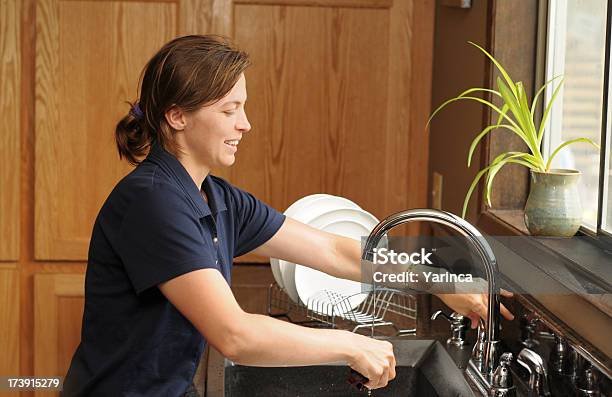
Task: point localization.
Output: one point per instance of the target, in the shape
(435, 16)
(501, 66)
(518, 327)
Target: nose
(242, 124)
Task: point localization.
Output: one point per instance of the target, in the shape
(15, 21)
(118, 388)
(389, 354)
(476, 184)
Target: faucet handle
(560, 359)
(588, 382)
(479, 346)
(501, 382)
(459, 326)
(506, 359)
(538, 377)
(529, 323)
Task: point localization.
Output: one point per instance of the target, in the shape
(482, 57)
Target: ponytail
(132, 139)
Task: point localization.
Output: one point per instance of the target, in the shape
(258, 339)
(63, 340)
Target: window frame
(556, 48)
(507, 215)
(605, 159)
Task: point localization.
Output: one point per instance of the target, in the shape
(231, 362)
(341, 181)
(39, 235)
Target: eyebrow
(233, 103)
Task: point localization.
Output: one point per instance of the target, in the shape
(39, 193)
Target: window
(576, 49)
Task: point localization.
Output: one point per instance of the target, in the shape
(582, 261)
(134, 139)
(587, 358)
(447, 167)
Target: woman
(159, 267)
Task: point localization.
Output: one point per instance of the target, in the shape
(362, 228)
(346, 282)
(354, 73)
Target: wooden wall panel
(88, 59)
(9, 322)
(69, 335)
(250, 284)
(10, 88)
(323, 3)
(58, 305)
(318, 92)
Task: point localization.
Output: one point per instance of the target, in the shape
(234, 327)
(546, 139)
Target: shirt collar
(165, 159)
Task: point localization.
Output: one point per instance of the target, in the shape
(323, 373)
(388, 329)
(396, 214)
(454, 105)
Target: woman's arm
(330, 253)
(206, 300)
(341, 257)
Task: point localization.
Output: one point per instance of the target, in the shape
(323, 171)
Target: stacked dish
(307, 286)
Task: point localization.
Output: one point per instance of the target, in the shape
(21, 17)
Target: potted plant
(553, 206)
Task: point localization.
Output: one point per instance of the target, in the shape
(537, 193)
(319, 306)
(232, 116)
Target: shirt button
(215, 240)
(216, 262)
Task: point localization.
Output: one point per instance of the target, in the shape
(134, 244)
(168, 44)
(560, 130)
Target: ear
(176, 118)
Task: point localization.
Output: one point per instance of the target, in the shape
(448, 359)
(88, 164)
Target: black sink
(424, 368)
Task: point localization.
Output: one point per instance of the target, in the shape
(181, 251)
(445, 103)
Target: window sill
(570, 264)
(593, 260)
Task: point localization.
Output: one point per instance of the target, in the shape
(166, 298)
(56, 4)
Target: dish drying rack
(329, 309)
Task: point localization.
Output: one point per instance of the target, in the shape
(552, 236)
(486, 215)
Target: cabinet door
(338, 100)
(10, 101)
(89, 56)
(10, 335)
(58, 313)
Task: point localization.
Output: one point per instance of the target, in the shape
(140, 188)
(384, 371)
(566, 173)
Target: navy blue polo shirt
(155, 226)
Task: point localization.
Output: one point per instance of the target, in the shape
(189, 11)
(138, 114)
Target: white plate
(317, 207)
(311, 283)
(274, 263)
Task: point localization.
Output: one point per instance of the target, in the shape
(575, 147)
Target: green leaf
(469, 91)
(471, 189)
(547, 111)
(526, 113)
(481, 135)
(513, 105)
(504, 110)
(523, 118)
(498, 163)
(479, 100)
(564, 144)
(498, 65)
(540, 91)
(462, 95)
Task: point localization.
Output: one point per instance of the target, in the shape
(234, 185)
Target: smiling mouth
(232, 143)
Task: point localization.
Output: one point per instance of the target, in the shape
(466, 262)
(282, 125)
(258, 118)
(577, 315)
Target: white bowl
(310, 283)
(274, 263)
(317, 207)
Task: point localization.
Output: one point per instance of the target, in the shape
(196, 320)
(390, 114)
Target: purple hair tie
(137, 112)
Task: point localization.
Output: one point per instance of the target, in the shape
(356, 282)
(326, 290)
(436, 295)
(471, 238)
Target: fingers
(392, 368)
(482, 307)
(381, 373)
(474, 317)
(506, 313)
(506, 294)
(378, 379)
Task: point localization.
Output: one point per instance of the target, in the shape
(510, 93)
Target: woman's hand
(474, 306)
(373, 359)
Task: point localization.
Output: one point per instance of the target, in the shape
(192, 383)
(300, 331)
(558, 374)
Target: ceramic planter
(553, 206)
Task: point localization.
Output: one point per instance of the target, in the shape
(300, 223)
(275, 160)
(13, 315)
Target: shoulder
(147, 188)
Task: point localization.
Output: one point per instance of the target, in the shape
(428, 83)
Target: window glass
(576, 50)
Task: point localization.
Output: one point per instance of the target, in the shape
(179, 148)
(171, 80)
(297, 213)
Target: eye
(229, 112)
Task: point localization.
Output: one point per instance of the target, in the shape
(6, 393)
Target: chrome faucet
(538, 377)
(482, 247)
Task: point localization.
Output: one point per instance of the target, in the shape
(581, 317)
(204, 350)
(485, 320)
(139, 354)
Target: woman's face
(212, 133)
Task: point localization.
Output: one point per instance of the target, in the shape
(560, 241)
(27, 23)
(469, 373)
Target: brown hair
(188, 72)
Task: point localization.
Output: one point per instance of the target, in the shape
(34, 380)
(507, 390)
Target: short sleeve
(161, 238)
(256, 222)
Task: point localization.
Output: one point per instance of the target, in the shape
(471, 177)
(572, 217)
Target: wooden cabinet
(329, 99)
(338, 99)
(250, 286)
(58, 310)
(10, 97)
(9, 321)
